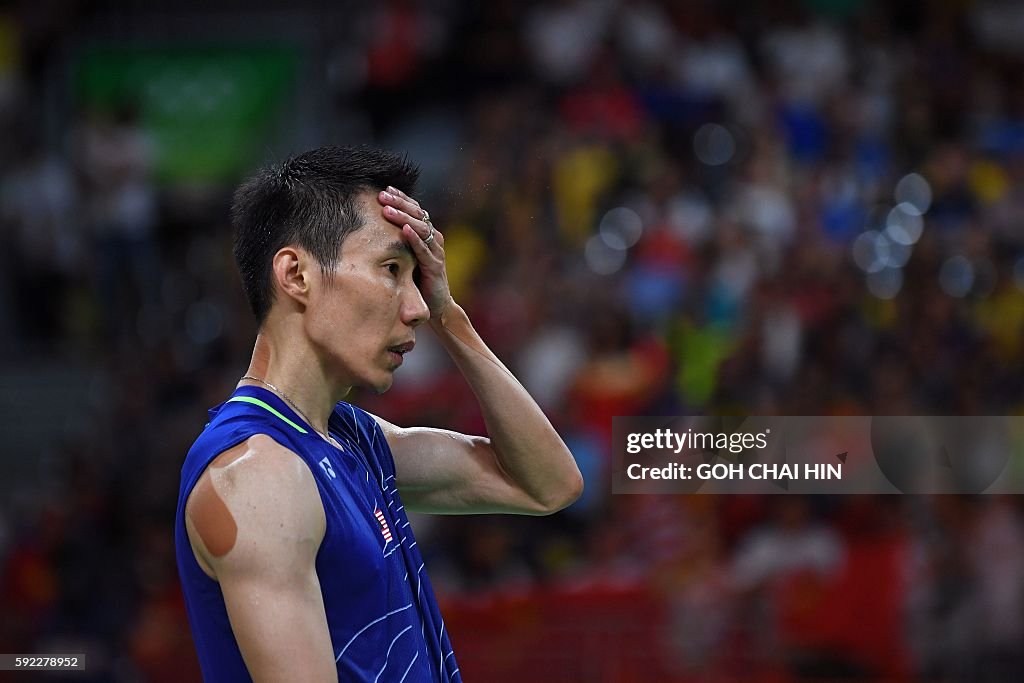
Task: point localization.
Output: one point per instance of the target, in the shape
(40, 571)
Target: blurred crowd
(650, 208)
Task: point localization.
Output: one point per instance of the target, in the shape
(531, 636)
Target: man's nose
(415, 311)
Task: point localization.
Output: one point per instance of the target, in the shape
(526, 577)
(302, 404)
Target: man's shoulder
(259, 461)
(257, 453)
(256, 485)
(244, 432)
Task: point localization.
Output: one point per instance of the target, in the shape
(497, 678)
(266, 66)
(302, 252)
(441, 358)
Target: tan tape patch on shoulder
(212, 519)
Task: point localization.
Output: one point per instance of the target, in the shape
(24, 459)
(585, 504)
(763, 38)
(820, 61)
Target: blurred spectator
(40, 205)
(783, 571)
(114, 158)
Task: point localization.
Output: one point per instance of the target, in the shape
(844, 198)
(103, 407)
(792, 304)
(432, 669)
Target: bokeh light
(602, 258)
(872, 251)
(914, 190)
(904, 224)
(885, 283)
(714, 144)
(621, 228)
(956, 277)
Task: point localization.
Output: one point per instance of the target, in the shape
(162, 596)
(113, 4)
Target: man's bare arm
(255, 522)
(524, 466)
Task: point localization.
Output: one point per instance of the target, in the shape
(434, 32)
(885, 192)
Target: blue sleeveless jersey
(384, 621)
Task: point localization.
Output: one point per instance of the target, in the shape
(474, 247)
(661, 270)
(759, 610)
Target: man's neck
(295, 371)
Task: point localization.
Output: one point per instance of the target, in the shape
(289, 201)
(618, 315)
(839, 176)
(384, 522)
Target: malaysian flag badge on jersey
(385, 531)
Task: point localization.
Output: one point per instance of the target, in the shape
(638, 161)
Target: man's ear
(291, 273)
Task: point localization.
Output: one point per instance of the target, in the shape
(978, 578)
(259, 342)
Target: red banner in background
(852, 620)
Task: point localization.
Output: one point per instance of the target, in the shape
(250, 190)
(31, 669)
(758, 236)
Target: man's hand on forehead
(427, 245)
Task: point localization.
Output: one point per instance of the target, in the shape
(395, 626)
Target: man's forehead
(377, 234)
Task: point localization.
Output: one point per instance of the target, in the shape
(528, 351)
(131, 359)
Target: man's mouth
(399, 350)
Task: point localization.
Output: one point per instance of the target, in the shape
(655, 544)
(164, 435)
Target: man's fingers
(399, 193)
(399, 217)
(419, 247)
(403, 211)
(438, 238)
(402, 203)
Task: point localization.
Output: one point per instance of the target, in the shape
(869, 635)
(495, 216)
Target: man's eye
(392, 268)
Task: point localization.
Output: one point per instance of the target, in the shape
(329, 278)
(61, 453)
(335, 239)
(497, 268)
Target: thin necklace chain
(290, 402)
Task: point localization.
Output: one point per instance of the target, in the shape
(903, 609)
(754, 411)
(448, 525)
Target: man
(296, 556)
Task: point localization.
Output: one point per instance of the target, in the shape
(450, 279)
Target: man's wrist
(441, 320)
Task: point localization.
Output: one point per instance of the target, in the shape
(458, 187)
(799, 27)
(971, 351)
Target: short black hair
(307, 201)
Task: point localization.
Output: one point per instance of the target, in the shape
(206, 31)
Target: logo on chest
(325, 465)
(385, 531)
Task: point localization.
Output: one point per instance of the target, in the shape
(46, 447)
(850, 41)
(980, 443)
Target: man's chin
(382, 385)
(378, 382)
